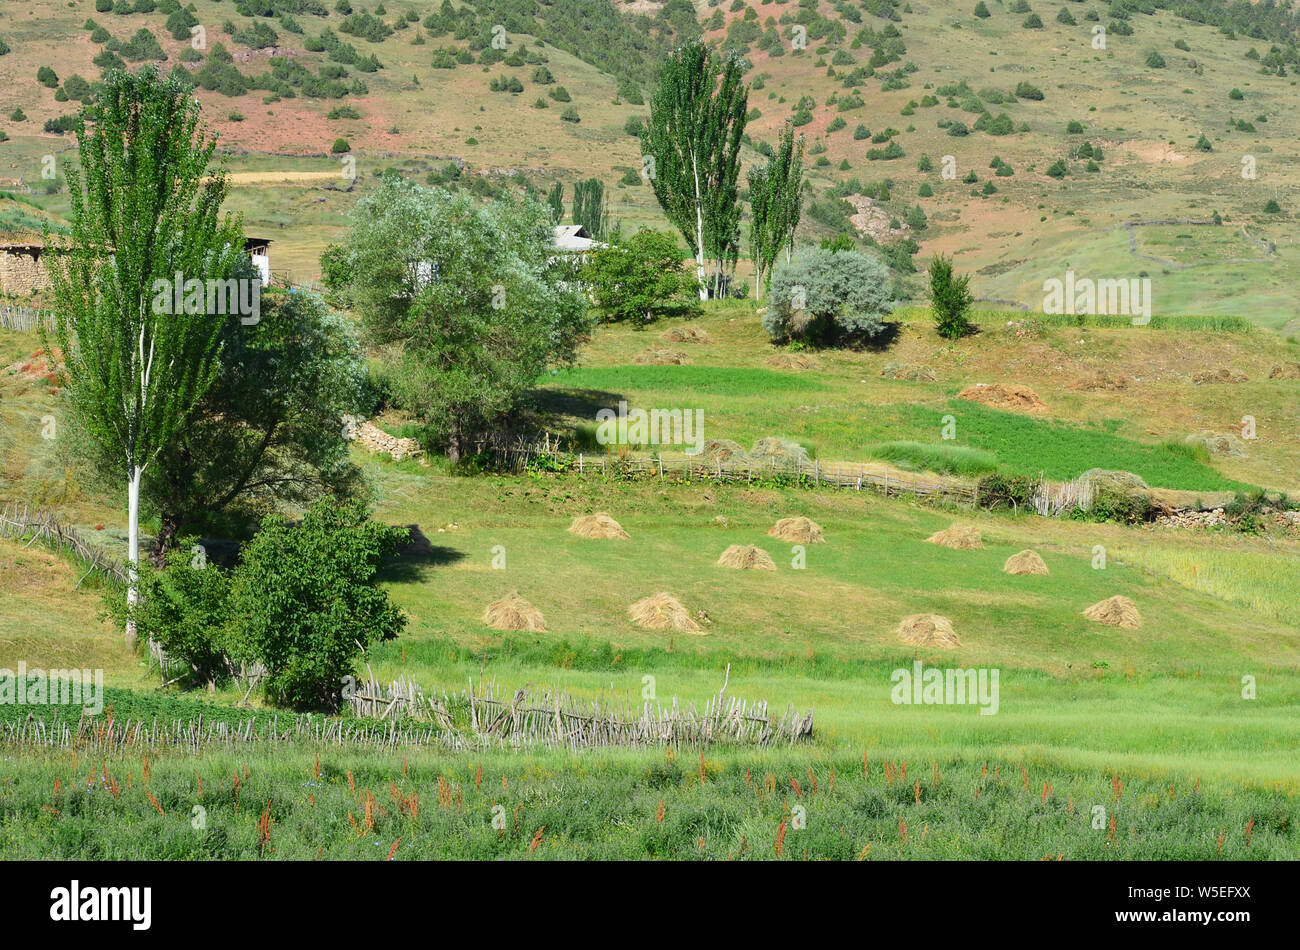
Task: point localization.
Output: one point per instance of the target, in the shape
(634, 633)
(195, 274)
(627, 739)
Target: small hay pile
(747, 557)
(661, 356)
(800, 530)
(599, 525)
(662, 611)
(794, 361)
(911, 372)
(1009, 396)
(722, 451)
(514, 613)
(1026, 562)
(685, 335)
(1220, 375)
(1285, 371)
(959, 537)
(784, 453)
(1219, 443)
(1115, 611)
(928, 630)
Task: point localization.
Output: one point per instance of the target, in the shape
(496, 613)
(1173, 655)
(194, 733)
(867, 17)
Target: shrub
(950, 298)
(925, 191)
(340, 146)
(1236, 94)
(1025, 90)
(47, 77)
(560, 94)
(1033, 22)
(823, 296)
(1066, 17)
(1272, 207)
(1057, 169)
(981, 10)
(570, 115)
(1155, 60)
(305, 603)
(640, 278)
(1074, 128)
(1203, 144)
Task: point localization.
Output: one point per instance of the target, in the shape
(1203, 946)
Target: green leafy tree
(640, 278)
(145, 207)
(697, 120)
(555, 201)
(471, 297)
(589, 208)
(950, 298)
(776, 202)
(825, 296)
(304, 601)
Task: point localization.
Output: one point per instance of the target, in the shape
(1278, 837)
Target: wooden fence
(18, 521)
(492, 716)
(23, 317)
(846, 476)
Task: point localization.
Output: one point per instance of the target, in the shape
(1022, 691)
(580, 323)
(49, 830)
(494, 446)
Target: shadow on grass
(414, 558)
(582, 403)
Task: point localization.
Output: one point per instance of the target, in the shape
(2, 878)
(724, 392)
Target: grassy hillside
(944, 66)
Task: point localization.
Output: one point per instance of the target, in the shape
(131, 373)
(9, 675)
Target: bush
(1236, 94)
(1155, 60)
(340, 146)
(1033, 22)
(981, 10)
(1006, 491)
(570, 115)
(560, 94)
(304, 601)
(1026, 90)
(1057, 169)
(823, 296)
(1203, 144)
(1074, 128)
(950, 298)
(47, 77)
(640, 278)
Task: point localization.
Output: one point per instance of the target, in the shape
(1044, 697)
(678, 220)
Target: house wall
(21, 272)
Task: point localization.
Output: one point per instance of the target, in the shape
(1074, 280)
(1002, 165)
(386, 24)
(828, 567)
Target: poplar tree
(589, 208)
(776, 202)
(697, 119)
(144, 208)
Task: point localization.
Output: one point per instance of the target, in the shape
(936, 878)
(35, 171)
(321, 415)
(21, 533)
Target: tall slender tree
(776, 202)
(555, 200)
(145, 208)
(589, 208)
(697, 119)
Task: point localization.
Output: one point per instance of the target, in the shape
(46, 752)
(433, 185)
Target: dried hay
(1026, 562)
(1220, 375)
(514, 613)
(662, 611)
(747, 557)
(722, 450)
(928, 630)
(599, 525)
(959, 537)
(1219, 443)
(782, 452)
(910, 372)
(793, 361)
(685, 335)
(1010, 396)
(800, 530)
(1115, 611)
(661, 356)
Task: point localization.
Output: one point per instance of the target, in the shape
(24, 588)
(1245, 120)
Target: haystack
(747, 557)
(514, 613)
(960, 537)
(1115, 611)
(793, 361)
(685, 335)
(928, 630)
(784, 453)
(1026, 562)
(599, 525)
(661, 356)
(1224, 444)
(662, 611)
(800, 530)
(1009, 396)
(721, 451)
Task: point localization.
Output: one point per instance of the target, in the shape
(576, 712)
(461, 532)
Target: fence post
(579, 463)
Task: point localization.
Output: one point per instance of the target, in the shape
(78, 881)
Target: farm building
(573, 237)
(22, 273)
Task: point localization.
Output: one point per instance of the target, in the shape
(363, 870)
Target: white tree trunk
(133, 550)
(699, 232)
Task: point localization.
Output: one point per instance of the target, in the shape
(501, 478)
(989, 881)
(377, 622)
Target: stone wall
(21, 272)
